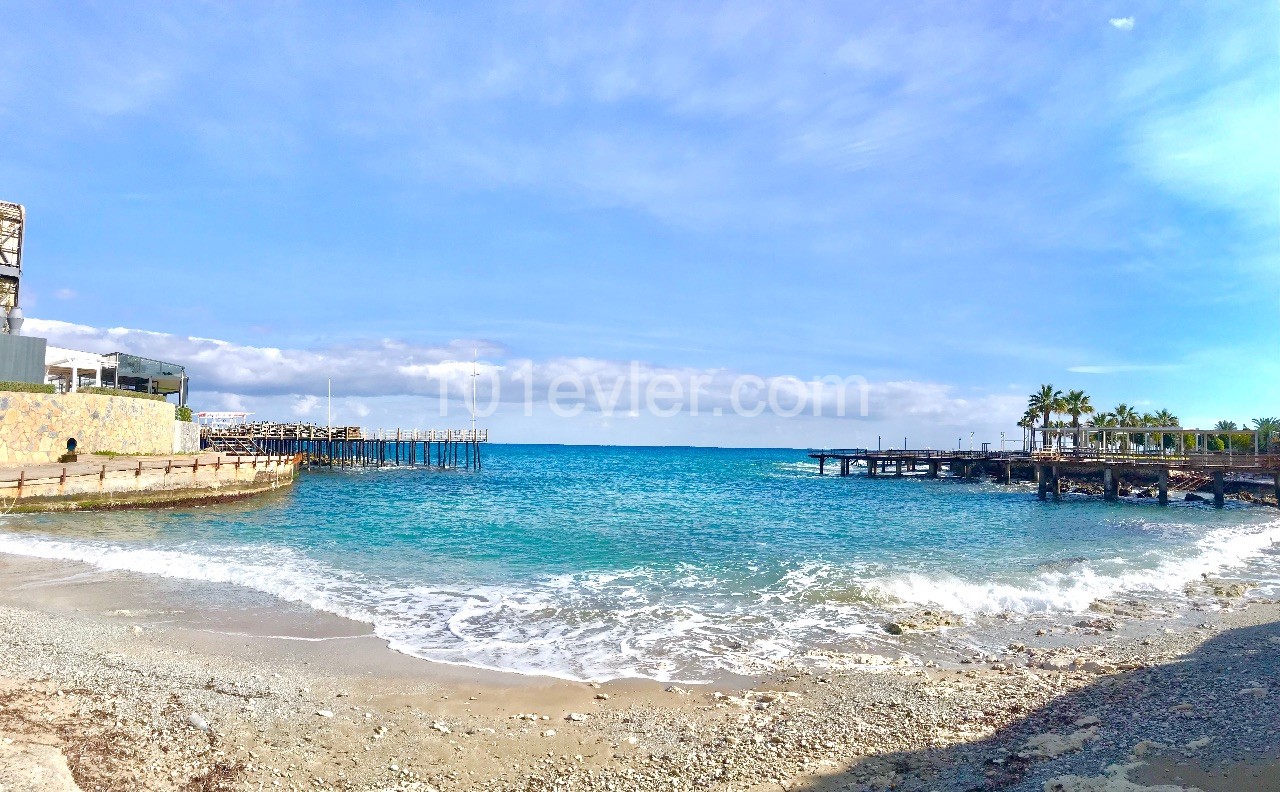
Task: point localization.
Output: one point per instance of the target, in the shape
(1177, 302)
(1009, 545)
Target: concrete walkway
(90, 464)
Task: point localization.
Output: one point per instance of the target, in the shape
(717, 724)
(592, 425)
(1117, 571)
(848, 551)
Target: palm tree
(1166, 420)
(1125, 416)
(1225, 427)
(1104, 420)
(1059, 424)
(1268, 430)
(1145, 420)
(1044, 403)
(1027, 422)
(1076, 403)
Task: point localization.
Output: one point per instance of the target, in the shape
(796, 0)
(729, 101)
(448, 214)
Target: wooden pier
(1048, 468)
(351, 446)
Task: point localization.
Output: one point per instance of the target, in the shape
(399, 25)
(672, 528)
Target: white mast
(474, 354)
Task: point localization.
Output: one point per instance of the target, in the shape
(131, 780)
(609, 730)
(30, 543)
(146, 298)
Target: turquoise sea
(668, 563)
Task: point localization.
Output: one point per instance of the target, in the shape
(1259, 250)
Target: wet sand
(116, 681)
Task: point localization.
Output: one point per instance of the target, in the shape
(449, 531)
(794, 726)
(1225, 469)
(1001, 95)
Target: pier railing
(922, 454)
(1213, 460)
(1230, 460)
(351, 446)
(1048, 467)
(304, 431)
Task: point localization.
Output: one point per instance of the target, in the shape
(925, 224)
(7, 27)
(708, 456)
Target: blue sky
(956, 202)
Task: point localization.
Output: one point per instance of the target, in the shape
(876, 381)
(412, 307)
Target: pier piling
(1195, 470)
(1110, 485)
(322, 446)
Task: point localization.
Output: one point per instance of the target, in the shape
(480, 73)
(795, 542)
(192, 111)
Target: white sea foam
(1073, 589)
(675, 624)
(277, 571)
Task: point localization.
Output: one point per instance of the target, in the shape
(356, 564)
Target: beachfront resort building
(56, 403)
(30, 360)
(69, 370)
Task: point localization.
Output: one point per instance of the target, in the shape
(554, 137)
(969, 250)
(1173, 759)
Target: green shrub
(26, 387)
(184, 413)
(127, 393)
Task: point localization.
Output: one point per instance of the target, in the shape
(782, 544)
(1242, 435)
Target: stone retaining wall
(186, 437)
(35, 427)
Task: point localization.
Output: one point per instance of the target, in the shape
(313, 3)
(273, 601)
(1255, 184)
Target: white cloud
(390, 382)
(65, 294)
(305, 406)
(374, 368)
(1122, 23)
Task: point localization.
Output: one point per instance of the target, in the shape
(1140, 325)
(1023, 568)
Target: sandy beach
(115, 682)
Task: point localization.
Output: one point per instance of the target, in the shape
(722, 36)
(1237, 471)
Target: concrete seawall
(133, 482)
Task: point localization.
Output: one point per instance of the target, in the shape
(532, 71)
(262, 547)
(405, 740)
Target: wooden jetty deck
(1047, 468)
(351, 446)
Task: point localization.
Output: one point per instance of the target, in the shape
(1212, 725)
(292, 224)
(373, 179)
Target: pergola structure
(73, 369)
(1138, 440)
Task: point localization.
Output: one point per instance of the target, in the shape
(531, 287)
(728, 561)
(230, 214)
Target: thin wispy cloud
(1123, 368)
(1122, 23)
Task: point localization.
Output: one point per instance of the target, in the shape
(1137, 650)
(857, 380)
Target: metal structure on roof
(131, 372)
(13, 219)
